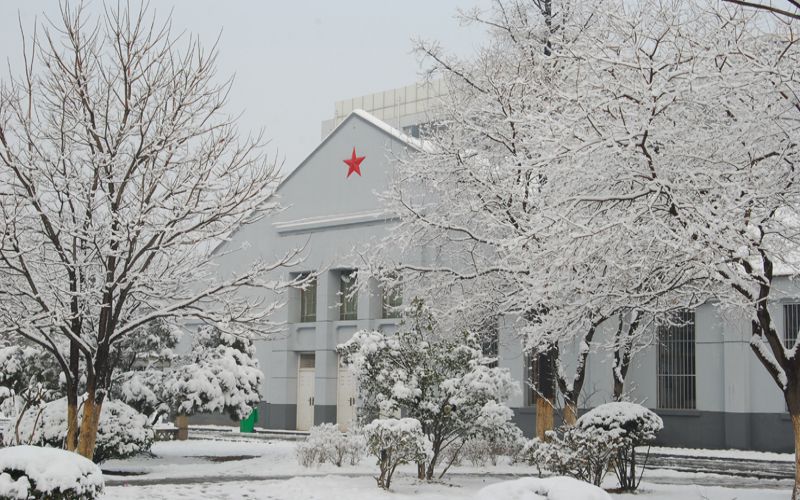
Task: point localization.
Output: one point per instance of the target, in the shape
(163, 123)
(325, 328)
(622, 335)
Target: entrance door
(345, 399)
(305, 392)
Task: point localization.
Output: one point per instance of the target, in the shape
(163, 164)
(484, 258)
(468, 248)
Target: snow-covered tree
(219, 374)
(444, 381)
(486, 199)
(689, 120)
(674, 148)
(120, 171)
(222, 375)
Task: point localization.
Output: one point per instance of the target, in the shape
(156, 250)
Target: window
(348, 296)
(308, 301)
(391, 300)
(676, 362)
(791, 324)
(490, 338)
(307, 360)
(541, 377)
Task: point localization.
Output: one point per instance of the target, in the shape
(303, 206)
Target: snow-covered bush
(220, 374)
(629, 425)
(444, 381)
(480, 451)
(327, 444)
(394, 442)
(122, 431)
(550, 488)
(29, 376)
(602, 439)
(574, 452)
(33, 473)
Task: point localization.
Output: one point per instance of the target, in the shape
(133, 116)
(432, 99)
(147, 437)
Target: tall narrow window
(541, 377)
(676, 362)
(348, 296)
(490, 338)
(791, 324)
(308, 301)
(391, 300)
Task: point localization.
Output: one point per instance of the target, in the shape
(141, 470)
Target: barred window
(391, 299)
(676, 362)
(541, 377)
(791, 324)
(348, 296)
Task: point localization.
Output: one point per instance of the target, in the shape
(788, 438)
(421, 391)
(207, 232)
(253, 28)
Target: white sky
(294, 58)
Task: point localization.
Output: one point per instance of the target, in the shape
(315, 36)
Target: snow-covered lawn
(268, 469)
(357, 488)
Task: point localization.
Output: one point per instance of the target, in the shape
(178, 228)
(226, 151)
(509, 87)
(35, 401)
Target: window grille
(348, 296)
(676, 362)
(791, 324)
(541, 377)
(308, 302)
(391, 301)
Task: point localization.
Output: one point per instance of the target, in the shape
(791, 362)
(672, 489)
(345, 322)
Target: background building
(404, 108)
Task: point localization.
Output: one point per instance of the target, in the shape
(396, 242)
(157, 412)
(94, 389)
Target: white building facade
(701, 378)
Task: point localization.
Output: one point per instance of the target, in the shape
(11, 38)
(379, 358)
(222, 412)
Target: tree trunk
(71, 442)
(570, 412)
(182, 423)
(544, 417)
(91, 419)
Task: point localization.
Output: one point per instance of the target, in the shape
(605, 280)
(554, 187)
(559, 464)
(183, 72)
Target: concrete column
(736, 383)
(326, 361)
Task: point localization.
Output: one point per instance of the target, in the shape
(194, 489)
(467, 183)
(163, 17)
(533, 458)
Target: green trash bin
(249, 424)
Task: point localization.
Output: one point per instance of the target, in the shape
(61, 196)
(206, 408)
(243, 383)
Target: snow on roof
(418, 144)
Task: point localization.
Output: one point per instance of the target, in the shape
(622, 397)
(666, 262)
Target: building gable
(334, 182)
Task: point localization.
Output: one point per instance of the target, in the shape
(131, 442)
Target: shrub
(326, 443)
(394, 442)
(444, 381)
(30, 472)
(574, 452)
(482, 450)
(602, 439)
(630, 425)
(122, 431)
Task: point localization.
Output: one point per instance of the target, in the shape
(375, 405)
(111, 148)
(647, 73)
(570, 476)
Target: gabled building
(701, 376)
(331, 209)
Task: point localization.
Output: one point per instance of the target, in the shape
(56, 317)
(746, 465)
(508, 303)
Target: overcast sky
(294, 58)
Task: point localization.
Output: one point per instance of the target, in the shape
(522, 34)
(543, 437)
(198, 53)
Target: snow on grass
(193, 462)
(649, 491)
(405, 488)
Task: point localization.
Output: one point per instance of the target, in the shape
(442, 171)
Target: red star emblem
(354, 163)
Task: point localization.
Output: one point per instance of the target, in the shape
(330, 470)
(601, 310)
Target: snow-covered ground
(268, 469)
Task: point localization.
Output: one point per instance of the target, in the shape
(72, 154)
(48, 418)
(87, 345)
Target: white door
(345, 399)
(305, 392)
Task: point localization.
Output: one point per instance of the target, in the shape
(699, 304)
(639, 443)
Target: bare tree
(120, 172)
